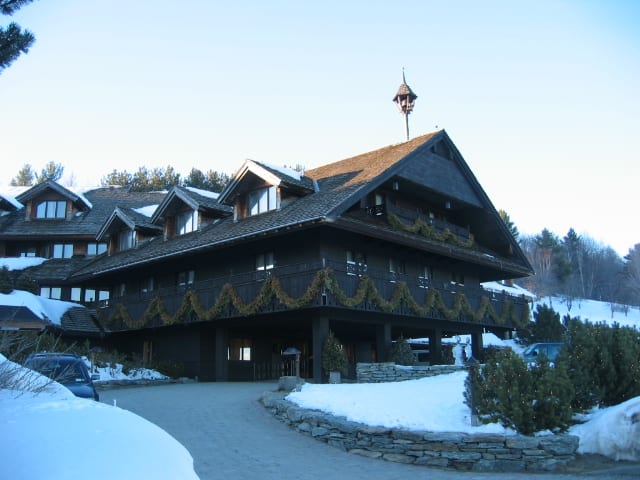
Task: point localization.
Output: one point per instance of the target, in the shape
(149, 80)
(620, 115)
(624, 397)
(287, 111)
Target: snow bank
(57, 435)
(42, 307)
(613, 432)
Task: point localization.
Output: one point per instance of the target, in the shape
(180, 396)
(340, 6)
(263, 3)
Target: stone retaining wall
(469, 452)
(390, 372)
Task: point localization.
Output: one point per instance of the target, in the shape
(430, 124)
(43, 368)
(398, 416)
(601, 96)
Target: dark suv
(67, 369)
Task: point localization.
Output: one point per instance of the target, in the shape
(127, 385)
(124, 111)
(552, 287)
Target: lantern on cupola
(405, 99)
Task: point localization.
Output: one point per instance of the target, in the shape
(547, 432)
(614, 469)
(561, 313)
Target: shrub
(505, 390)
(547, 327)
(333, 357)
(401, 353)
(603, 363)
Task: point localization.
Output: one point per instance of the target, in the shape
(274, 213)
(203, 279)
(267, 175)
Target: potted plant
(334, 361)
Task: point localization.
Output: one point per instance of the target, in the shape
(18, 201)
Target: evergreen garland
(423, 228)
(272, 291)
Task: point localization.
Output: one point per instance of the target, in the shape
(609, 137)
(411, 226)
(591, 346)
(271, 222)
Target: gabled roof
(9, 203)
(340, 185)
(33, 193)
(273, 175)
(194, 198)
(127, 218)
(103, 201)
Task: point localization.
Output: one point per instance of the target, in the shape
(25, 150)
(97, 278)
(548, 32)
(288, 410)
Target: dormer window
(126, 239)
(51, 209)
(187, 222)
(262, 200)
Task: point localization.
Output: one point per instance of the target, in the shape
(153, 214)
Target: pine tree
(13, 40)
(122, 179)
(333, 356)
(6, 285)
(401, 352)
(25, 177)
(547, 327)
(27, 283)
(51, 171)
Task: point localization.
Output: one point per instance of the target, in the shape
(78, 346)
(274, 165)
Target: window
(262, 200)
(424, 276)
(264, 263)
(126, 239)
(91, 295)
(239, 349)
(147, 286)
(378, 205)
(62, 250)
(120, 290)
(28, 252)
(187, 222)
(51, 209)
(396, 267)
(186, 278)
(96, 248)
(76, 294)
(51, 292)
(356, 263)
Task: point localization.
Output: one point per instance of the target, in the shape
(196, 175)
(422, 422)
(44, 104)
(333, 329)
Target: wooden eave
(510, 268)
(38, 190)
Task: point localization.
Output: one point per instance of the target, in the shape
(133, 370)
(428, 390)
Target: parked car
(67, 369)
(550, 349)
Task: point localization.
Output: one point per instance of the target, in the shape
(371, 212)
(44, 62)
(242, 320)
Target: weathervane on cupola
(405, 99)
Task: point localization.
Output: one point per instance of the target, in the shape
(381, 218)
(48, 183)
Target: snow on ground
(111, 373)
(53, 434)
(434, 404)
(593, 311)
(437, 404)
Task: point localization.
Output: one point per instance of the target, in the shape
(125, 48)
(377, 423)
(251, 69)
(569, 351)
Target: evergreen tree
(195, 179)
(25, 177)
(51, 171)
(510, 225)
(6, 284)
(631, 276)
(13, 40)
(27, 283)
(333, 356)
(401, 352)
(122, 179)
(216, 181)
(546, 327)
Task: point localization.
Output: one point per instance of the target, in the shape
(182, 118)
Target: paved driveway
(231, 435)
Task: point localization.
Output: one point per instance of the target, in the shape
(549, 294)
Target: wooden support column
(319, 333)
(435, 347)
(222, 354)
(476, 346)
(383, 341)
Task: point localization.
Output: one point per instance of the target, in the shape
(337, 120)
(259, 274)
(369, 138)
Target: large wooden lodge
(393, 242)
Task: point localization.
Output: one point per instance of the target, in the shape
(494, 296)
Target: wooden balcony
(328, 284)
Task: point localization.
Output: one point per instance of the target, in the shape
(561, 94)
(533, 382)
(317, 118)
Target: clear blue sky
(541, 97)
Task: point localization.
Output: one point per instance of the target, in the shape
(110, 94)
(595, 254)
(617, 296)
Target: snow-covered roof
(284, 170)
(511, 290)
(203, 193)
(44, 308)
(20, 263)
(147, 210)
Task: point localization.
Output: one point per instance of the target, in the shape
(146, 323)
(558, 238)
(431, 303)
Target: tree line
(142, 180)
(577, 266)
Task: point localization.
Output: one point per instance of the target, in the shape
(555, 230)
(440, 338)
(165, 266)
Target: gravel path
(231, 435)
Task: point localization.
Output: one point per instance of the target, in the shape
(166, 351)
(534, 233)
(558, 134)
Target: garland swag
(325, 279)
(426, 230)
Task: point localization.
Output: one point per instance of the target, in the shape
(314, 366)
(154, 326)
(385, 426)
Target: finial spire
(405, 99)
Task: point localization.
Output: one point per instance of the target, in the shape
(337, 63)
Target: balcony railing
(340, 289)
